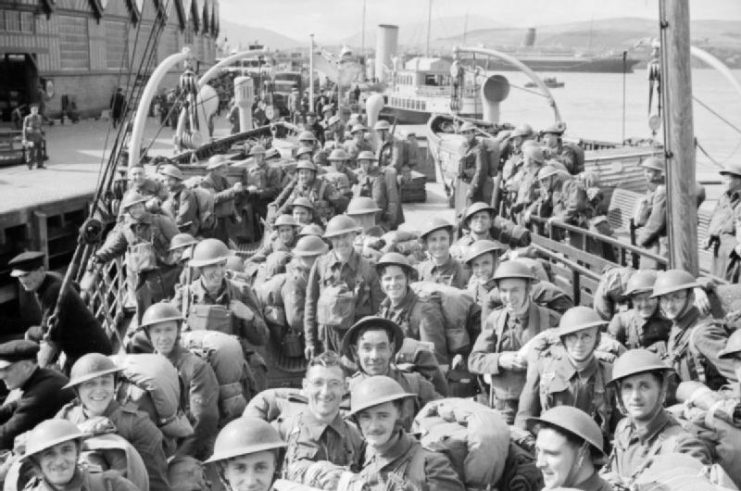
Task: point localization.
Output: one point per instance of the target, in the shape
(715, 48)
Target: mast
(362, 35)
(679, 137)
(311, 73)
(429, 28)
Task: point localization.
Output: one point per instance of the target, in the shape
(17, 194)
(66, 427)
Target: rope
(524, 89)
(714, 113)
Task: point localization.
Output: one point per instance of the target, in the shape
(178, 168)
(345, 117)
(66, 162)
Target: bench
(621, 209)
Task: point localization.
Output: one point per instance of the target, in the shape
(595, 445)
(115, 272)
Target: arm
(312, 297)
(294, 299)
(656, 223)
(439, 474)
(432, 330)
(272, 185)
(616, 329)
(114, 246)
(483, 359)
(708, 339)
(147, 440)
(530, 396)
(255, 330)
(482, 168)
(204, 412)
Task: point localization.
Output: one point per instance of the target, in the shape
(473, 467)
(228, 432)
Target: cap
(17, 350)
(24, 263)
(733, 169)
(216, 161)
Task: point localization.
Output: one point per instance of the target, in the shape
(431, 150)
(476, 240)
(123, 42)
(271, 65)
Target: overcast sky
(332, 20)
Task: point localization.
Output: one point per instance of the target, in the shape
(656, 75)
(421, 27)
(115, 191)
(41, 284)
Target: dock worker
(441, 267)
(695, 339)
(723, 230)
(33, 138)
(225, 194)
(648, 430)
(650, 217)
(394, 460)
(73, 329)
(37, 393)
(382, 186)
(569, 449)
(556, 150)
(505, 331)
(181, 203)
(474, 167)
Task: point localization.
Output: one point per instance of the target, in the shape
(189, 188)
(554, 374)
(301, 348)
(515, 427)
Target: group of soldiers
(588, 394)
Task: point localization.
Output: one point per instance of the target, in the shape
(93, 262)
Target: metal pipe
(719, 66)
(229, 60)
(142, 111)
(311, 74)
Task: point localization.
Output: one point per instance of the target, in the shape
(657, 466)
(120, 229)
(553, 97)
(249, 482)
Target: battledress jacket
(182, 206)
(723, 228)
(224, 195)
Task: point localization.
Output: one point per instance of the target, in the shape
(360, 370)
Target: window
(115, 44)
(17, 21)
(73, 42)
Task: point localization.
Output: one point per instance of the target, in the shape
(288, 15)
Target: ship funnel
(493, 91)
(373, 106)
(529, 40)
(387, 43)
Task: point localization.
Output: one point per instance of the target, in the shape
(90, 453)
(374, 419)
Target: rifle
(448, 187)
(280, 202)
(389, 144)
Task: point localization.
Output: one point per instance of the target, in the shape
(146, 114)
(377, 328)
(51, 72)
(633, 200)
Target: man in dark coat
(36, 393)
(74, 331)
(118, 106)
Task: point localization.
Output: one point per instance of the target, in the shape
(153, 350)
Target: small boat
(550, 82)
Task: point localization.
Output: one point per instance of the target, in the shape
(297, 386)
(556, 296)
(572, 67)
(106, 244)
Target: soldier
(569, 449)
(181, 250)
(181, 203)
(263, 185)
(694, 339)
(283, 239)
(93, 379)
(388, 148)
(477, 221)
(315, 128)
(382, 186)
(358, 143)
(441, 267)
(418, 319)
(162, 324)
(334, 131)
(293, 292)
(225, 210)
(650, 219)
(723, 227)
(482, 258)
(320, 442)
(563, 199)
(474, 167)
(642, 326)
(371, 344)
(53, 448)
(327, 201)
(302, 211)
(72, 329)
(641, 379)
(248, 453)
(147, 186)
(343, 287)
(556, 150)
(145, 238)
(571, 374)
(505, 331)
(306, 141)
(38, 392)
(339, 163)
(394, 460)
(33, 138)
(525, 185)
(517, 138)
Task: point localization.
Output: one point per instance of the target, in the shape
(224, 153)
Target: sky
(334, 20)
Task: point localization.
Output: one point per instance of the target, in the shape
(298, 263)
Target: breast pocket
(554, 392)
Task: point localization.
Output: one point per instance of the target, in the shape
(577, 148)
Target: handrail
(568, 262)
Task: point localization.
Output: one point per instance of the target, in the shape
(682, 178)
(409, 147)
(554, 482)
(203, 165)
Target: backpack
(520, 472)
(610, 290)
(269, 295)
(458, 308)
(491, 147)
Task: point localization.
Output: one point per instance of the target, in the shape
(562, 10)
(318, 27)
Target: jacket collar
(317, 428)
(402, 446)
(657, 424)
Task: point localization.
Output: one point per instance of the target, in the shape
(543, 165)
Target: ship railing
(432, 91)
(107, 297)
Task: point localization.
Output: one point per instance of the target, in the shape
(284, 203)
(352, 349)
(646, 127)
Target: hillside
(237, 34)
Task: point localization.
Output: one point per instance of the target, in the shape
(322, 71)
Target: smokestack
(387, 42)
(529, 38)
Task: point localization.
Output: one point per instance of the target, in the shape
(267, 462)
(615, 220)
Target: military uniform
(86, 479)
(568, 157)
(383, 186)
(633, 331)
(355, 281)
(460, 248)
(136, 427)
(593, 483)
(543, 293)
(293, 294)
(224, 207)
(552, 380)
(451, 273)
(505, 332)
(407, 465)
(652, 225)
(267, 180)
(353, 148)
(419, 320)
(273, 245)
(474, 171)
(723, 228)
(633, 450)
(327, 201)
(182, 206)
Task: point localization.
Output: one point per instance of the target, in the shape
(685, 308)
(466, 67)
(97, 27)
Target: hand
(605, 356)
(510, 360)
(526, 217)
(457, 361)
(309, 351)
(251, 189)
(702, 302)
(238, 187)
(241, 310)
(405, 367)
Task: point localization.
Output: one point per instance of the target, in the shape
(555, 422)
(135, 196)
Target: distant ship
(544, 62)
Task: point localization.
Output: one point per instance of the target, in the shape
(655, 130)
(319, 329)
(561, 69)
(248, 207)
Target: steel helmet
(209, 251)
(285, 220)
(579, 318)
(393, 259)
(475, 208)
(673, 280)
(90, 366)
(216, 161)
(234, 263)
(642, 281)
(303, 203)
(534, 153)
(637, 361)
(382, 125)
(373, 391)
(361, 206)
(311, 229)
(257, 150)
(466, 127)
(555, 129)
(358, 127)
(338, 154)
(435, 223)
(733, 345)
(481, 247)
(549, 170)
(306, 136)
(654, 163)
(574, 421)
(366, 155)
(513, 269)
(181, 240)
(310, 245)
(160, 312)
(304, 151)
(131, 198)
(49, 433)
(396, 335)
(305, 164)
(171, 170)
(245, 435)
(733, 169)
(523, 130)
(341, 224)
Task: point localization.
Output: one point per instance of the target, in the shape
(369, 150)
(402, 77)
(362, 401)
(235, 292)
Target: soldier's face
(213, 275)
(343, 244)
(641, 393)
(58, 463)
(469, 136)
(673, 304)
(136, 175)
(514, 294)
(480, 222)
(96, 394)
(394, 283)
(251, 472)
(137, 211)
(172, 183)
(644, 305)
(378, 423)
(551, 140)
(483, 266)
(365, 164)
(305, 176)
(34, 110)
(324, 387)
(438, 244)
(555, 456)
(221, 171)
(652, 175)
(373, 351)
(301, 215)
(286, 233)
(581, 344)
(164, 336)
